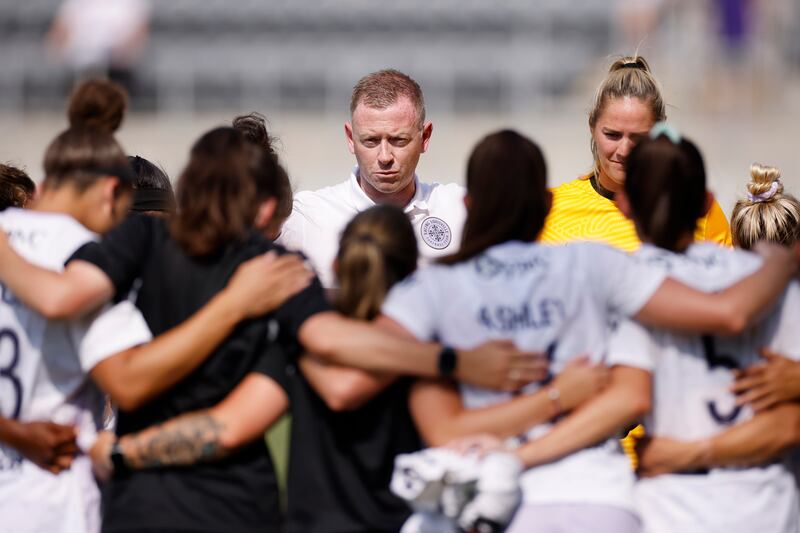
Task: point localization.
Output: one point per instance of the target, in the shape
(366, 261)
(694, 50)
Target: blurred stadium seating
(306, 55)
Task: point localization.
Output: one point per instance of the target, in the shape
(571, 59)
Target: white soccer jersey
(691, 400)
(319, 217)
(43, 376)
(555, 298)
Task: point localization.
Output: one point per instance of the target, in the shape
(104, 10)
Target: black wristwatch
(118, 459)
(447, 362)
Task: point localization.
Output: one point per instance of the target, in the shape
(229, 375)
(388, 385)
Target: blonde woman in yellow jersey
(627, 104)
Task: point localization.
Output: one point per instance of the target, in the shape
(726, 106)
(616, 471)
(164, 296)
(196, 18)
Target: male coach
(387, 133)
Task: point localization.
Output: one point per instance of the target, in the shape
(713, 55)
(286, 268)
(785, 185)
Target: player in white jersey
(387, 134)
(558, 299)
(766, 214)
(692, 375)
(44, 363)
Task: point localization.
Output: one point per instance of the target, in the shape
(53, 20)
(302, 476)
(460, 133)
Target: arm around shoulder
(342, 388)
(207, 435)
(728, 312)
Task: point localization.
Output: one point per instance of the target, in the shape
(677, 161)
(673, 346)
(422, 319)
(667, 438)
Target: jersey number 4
(7, 372)
(716, 360)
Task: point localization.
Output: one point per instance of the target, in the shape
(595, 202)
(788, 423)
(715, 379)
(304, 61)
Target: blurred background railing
(729, 68)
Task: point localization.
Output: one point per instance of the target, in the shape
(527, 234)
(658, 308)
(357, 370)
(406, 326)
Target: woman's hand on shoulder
(265, 282)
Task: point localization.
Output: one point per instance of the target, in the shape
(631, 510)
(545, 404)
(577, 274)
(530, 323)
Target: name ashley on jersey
(544, 314)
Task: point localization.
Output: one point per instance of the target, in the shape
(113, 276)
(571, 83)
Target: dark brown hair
(381, 89)
(217, 195)
(666, 186)
(274, 184)
(377, 249)
(507, 187)
(16, 187)
(154, 194)
(98, 103)
(81, 155)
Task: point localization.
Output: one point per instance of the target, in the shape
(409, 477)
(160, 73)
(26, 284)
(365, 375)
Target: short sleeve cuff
(115, 329)
(650, 279)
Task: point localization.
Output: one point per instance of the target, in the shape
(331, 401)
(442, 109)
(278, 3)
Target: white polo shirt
(318, 218)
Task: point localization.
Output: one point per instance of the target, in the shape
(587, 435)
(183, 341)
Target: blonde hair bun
(767, 214)
(636, 61)
(761, 179)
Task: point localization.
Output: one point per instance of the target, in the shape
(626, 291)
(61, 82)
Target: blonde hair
(629, 77)
(384, 88)
(765, 215)
(377, 249)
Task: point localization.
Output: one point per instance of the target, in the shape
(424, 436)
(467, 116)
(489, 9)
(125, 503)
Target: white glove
(498, 494)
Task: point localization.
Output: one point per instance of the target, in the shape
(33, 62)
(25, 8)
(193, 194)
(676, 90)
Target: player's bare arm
(766, 436)
(342, 388)
(441, 417)
(81, 288)
(201, 436)
(676, 306)
(346, 388)
(624, 402)
(495, 364)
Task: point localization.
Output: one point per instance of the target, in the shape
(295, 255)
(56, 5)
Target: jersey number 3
(716, 360)
(7, 372)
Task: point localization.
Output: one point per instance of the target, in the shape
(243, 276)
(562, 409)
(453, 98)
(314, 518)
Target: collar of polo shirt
(419, 203)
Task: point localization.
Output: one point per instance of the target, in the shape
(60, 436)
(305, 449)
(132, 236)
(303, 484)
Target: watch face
(447, 362)
(118, 458)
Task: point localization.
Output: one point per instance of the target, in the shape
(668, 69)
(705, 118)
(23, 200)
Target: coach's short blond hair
(381, 89)
(763, 215)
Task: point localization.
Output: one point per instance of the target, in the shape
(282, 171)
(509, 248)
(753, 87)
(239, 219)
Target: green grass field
(278, 443)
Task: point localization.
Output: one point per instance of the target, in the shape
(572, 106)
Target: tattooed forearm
(188, 439)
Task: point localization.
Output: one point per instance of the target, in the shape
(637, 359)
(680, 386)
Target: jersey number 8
(7, 372)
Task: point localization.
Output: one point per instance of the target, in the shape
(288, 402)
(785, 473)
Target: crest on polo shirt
(436, 233)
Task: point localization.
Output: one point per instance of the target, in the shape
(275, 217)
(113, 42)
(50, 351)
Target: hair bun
(254, 128)
(631, 62)
(762, 178)
(97, 104)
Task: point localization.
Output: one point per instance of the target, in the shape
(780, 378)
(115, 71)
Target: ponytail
(666, 186)
(377, 249)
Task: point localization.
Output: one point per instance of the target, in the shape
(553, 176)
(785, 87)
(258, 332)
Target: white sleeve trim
(115, 329)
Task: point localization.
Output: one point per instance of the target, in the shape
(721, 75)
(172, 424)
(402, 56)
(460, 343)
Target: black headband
(153, 200)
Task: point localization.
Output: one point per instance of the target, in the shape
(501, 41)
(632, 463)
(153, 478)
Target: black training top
(238, 493)
(340, 463)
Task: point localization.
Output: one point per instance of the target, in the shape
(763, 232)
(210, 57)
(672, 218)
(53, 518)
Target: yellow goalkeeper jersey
(580, 212)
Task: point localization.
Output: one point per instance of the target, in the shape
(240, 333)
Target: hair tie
(632, 64)
(153, 200)
(662, 128)
(365, 237)
(766, 195)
